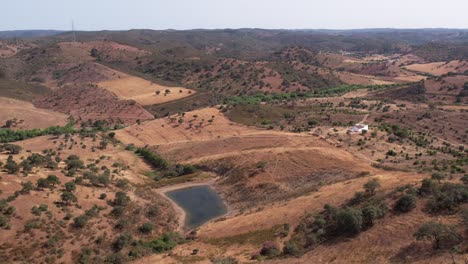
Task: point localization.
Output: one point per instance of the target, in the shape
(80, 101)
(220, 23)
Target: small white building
(358, 128)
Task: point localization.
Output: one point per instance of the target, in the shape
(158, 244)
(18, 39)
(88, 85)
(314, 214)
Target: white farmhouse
(358, 128)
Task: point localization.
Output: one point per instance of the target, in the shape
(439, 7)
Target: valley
(242, 146)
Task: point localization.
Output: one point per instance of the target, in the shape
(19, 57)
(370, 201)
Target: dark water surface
(200, 203)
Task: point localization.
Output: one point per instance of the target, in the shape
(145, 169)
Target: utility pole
(73, 30)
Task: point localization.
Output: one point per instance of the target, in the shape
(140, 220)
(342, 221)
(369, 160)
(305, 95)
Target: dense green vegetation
(278, 97)
(163, 168)
(152, 158)
(9, 135)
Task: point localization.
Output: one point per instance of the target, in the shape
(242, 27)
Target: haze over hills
(324, 146)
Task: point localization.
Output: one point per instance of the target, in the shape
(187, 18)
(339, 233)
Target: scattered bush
(443, 236)
(270, 249)
(349, 221)
(80, 221)
(405, 204)
(146, 228)
(371, 186)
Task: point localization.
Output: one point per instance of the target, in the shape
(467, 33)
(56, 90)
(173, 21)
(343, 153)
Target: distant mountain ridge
(28, 33)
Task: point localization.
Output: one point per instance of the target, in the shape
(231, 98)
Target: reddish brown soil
(106, 50)
(440, 68)
(91, 103)
(75, 73)
(446, 90)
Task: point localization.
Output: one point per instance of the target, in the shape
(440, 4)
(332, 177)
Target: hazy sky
(188, 14)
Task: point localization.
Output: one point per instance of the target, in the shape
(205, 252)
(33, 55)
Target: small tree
(146, 228)
(121, 199)
(94, 53)
(122, 241)
(68, 198)
(428, 187)
(270, 249)
(53, 180)
(27, 187)
(371, 186)
(406, 203)
(11, 166)
(443, 236)
(70, 186)
(42, 183)
(290, 248)
(80, 221)
(349, 220)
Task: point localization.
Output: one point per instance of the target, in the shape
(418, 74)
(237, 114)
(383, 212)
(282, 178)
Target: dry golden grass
(439, 68)
(352, 78)
(164, 130)
(143, 91)
(31, 116)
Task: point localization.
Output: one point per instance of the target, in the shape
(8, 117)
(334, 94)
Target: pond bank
(187, 197)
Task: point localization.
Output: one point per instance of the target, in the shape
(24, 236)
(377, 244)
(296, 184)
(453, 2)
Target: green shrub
(270, 249)
(428, 187)
(371, 186)
(442, 235)
(70, 186)
(291, 248)
(405, 204)
(448, 199)
(146, 228)
(153, 158)
(121, 199)
(122, 241)
(167, 242)
(80, 221)
(349, 220)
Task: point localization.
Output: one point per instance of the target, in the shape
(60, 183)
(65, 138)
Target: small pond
(200, 203)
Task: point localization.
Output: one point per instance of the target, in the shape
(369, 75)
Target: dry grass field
(440, 68)
(28, 116)
(142, 91)
(195, 126)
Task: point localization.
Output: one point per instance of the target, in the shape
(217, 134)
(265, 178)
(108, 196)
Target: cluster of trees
(10, 148)
(444, 198)
(278, 97)
(34, 160)
(6, 212)
(159, 163)
(361, 214)
(48, 183)
(366, 207)
(153, 158)
(81, 220)
(8, 135)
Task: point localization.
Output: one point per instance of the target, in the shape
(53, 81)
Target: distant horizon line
(242, 28)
